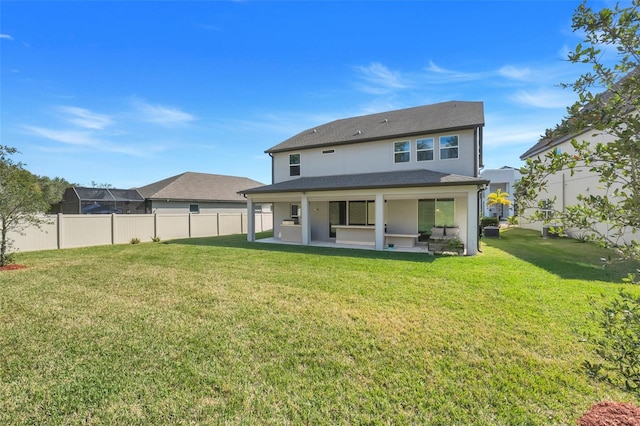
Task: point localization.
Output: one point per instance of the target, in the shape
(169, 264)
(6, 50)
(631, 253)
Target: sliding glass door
(435, 212)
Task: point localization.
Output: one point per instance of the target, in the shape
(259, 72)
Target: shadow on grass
(564, 257)
(240, 242)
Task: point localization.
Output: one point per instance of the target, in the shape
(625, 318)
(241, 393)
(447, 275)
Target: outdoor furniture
(441, 237)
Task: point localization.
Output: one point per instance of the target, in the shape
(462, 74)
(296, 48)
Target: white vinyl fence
(81, 230)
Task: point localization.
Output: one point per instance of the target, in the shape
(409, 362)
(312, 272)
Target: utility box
(492, 231)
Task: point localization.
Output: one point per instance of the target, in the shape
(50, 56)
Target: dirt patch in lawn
(11, 267)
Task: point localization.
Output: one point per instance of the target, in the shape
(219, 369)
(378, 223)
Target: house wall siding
(565, 188)
(178, 207)
(377, 156)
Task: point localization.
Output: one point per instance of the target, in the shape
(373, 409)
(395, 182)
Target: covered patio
(376, 211)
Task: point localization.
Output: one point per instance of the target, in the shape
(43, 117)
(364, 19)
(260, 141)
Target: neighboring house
(563, 188)
(504, 179)
(378, 178)
(191, 192)
(83, 200)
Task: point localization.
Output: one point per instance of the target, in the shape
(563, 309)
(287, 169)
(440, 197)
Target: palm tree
(498, 198)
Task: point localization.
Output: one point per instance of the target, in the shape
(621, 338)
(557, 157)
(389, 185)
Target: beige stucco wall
(377, 156)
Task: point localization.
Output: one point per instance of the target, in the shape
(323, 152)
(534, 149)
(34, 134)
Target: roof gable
(453, 115)
(199, 187)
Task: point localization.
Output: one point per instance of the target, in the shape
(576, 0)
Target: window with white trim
(448, 147)
(424, 149)
(294, 165)
(546, 208)
(402, 152)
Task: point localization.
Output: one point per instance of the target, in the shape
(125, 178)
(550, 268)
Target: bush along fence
(70, 231)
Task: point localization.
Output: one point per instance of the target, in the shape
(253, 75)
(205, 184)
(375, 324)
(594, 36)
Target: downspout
(273, 173)
(476, 158)
(481, 159)
(478, 196)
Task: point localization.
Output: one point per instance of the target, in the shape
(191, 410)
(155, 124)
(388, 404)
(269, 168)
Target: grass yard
(220, 331)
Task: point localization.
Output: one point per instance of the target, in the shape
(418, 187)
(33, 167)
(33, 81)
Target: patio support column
(251, 221)
(306, 222)
(472, 223)
(379, 222)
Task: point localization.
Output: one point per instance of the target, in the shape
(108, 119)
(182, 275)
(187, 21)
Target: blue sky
(128, 93)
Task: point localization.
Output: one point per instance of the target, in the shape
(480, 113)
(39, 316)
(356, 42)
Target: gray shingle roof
(399, 179)
(546, 144)
(453, 115)
(190, 186)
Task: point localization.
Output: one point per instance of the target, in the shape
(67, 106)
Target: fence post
(113, 228)
(189, 218)
(155, 225)
(217, 224)
(59, 230)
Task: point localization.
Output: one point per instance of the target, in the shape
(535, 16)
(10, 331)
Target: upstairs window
(294, 165)
(424, 149)
(402, 152)
(448, 147)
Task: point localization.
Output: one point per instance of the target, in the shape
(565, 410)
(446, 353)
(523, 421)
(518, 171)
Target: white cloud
(71, 137)
(85, 118)
(6, 37)
(514, 73)
(543, 98)
(378, 79)
(162, 115)
(85, 139)
(449, 75)
(515, 134)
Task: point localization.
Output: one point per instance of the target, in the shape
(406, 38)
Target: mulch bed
(12, 267)
(607, 413)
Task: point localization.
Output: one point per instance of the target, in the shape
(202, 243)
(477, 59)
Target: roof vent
(359, 132)
(385, 120)
(314, 130)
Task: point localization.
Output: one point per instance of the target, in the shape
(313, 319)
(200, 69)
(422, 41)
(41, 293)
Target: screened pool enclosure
(82, 200)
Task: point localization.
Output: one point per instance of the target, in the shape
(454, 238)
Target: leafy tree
(616, 342)
(53, 188)
(609, 103)
(21, 199)
(95, 184)
(498, 198)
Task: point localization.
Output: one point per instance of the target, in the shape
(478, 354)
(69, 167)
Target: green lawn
(220, 331)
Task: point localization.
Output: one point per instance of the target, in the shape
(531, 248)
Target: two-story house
(379, 179)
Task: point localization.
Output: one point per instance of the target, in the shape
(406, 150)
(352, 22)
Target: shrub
(135, 240)
(489, 221)
(512, 220)
(617, 345)
(155, 239)
(582, 238)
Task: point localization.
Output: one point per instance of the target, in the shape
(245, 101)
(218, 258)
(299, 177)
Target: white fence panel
(34, 238)
(230, 224)
(204, 225)
(84, 230)
(129, 226)
(70, 231)
(170, 226)
(264, 222)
